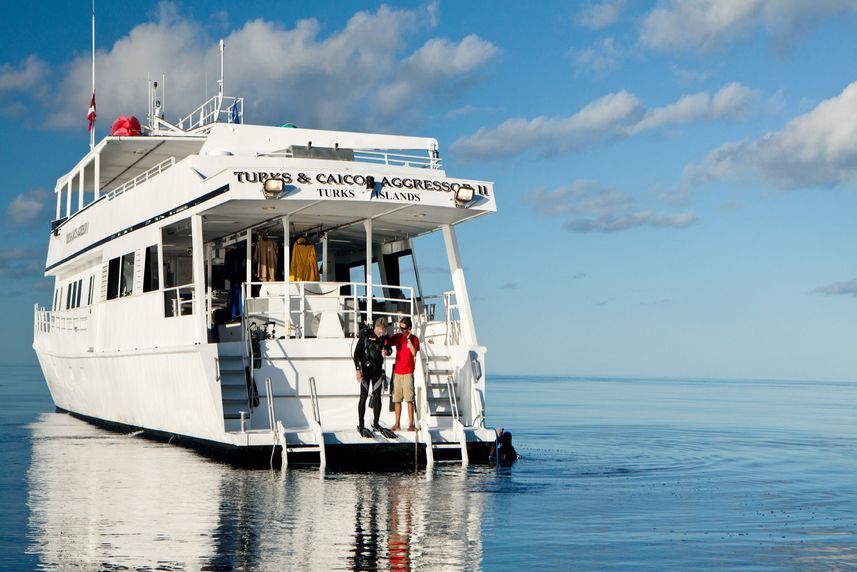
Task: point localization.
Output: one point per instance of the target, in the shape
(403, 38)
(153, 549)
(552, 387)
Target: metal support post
(368, 225)
(459, 285)
(198, 278)
(96, 179)
(80, 191)
(324, 265)
(68, 198)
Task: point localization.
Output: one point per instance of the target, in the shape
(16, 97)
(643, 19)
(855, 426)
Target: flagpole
(92, 131)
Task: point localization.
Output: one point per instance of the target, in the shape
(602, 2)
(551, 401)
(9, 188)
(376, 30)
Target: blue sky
(675, 180)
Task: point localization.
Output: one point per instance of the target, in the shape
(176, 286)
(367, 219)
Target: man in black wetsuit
(369, 354)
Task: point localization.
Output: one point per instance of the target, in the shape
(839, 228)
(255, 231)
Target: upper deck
(332, 176)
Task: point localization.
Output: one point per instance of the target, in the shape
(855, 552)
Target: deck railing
(324, 309)
(141, 178)
(178, 301)
(442, 327)
(65, 321)
(211, 111)
(429, 160)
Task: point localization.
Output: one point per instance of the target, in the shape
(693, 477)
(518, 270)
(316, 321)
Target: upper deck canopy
(390, 221)
(121, 159)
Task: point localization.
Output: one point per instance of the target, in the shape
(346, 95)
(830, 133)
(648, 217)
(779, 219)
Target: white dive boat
(211, 279)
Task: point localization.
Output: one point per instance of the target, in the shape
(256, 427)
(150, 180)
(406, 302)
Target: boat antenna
(220, 83)
(91, 115)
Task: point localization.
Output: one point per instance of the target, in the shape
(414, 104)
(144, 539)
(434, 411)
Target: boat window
(91, 289)
(68, 297)
(150, 269)
(120, 276)
(113, 279)
(126, 287)
(177, 263)
(79, 290)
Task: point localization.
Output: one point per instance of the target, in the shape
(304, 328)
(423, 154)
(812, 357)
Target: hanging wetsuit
(369, 360)
(234, 271)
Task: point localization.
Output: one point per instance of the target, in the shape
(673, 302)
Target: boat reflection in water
(101, 500)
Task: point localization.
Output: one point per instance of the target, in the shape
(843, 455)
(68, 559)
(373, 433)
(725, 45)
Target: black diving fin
(387, 433)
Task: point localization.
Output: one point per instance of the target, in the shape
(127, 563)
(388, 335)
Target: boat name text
(349, 179)
(76, 232)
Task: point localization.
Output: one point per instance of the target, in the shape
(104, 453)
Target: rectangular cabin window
(113, 279)
(150, 269)
(68, 297)
(126, 286)
(79, 292)
(91, 290)
(177, 267)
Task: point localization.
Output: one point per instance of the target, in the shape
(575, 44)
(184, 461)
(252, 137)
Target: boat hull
(371, 456)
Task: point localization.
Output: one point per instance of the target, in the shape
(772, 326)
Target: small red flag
(91, 115)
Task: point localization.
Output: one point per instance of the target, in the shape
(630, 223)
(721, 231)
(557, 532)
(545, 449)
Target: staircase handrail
(421, 381)
(319, 434)
(314, 394)
(247, 356)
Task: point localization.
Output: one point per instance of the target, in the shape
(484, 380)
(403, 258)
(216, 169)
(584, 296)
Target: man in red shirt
(407, 345)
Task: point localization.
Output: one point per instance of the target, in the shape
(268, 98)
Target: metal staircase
(304, 439)
(437, 408)
(233, 383)
(440, 386)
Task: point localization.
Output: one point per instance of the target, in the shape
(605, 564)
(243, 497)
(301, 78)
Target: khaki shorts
(403, 388)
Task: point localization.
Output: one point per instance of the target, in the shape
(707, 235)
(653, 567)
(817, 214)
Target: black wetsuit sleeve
(358, 352)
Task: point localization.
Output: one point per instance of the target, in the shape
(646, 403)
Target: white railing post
(80, 190)
(287, 265)
(368, 225)
(198, 278)
(96, 179)
(68, 198)
(302, 306)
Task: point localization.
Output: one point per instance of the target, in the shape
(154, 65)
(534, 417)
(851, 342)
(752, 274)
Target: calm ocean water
(617, 474)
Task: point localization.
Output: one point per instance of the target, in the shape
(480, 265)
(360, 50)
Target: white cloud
(847, 288)
(614, 223)
(600, 15)
(29, 76)
(609, 118)
(733, 100)
(601, 58)
(437, 62)
(817, 149)
(580, 197)
(690, 76)
(350, 78)
(28, 207)
(708, 25)
(16, 262)
(592, 207)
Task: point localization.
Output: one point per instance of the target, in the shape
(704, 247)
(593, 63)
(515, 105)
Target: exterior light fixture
(272, 187)
(463, 196)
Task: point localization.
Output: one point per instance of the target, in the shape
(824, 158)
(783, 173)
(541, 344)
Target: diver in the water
(502, 453)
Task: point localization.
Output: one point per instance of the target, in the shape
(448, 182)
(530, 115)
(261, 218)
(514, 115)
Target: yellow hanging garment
(303, 266)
